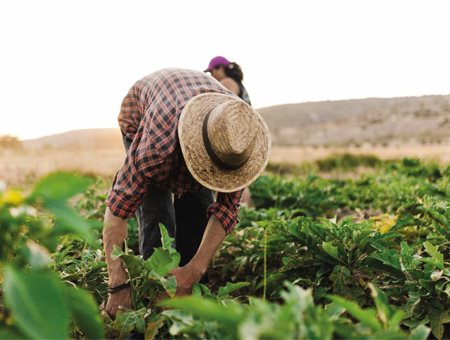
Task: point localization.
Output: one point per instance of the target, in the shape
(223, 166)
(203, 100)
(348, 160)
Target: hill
(378, 121)
(78, 139)
(423, 119)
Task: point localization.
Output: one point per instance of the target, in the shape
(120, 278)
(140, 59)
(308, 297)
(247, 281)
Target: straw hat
(224, 141)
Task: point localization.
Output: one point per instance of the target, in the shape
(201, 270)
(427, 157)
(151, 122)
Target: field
(340, 247)
(26, 167)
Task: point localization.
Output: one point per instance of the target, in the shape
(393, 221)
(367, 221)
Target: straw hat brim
(200, 165)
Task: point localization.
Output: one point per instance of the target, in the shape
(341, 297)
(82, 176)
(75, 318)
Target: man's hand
(192, 272)
(116, 300)
(186, 277)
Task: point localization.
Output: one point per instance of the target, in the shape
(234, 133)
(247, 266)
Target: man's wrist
(117, 277)
(196, 268)
(212, 239)
(116, 289)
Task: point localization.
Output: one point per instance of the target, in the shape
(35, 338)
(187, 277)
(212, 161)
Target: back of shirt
(149, 119)
(243, 94)
(163, 93)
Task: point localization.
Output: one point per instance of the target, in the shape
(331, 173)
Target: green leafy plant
(37, 304)
(384, 268)
(296, 318)
(147, 279)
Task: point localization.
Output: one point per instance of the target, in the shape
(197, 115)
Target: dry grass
(298, 155)
(24, 168)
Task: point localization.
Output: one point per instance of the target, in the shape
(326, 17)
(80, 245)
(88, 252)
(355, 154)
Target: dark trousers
(184, 218)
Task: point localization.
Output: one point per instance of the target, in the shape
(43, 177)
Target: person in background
(230, 75)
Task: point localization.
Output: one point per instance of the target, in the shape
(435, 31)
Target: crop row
(315, 258)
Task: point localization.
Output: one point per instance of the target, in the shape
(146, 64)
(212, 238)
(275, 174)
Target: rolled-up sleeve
(130, 112)
(126, 193)
(226, 209)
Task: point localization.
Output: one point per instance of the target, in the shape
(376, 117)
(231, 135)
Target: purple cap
(217, 61)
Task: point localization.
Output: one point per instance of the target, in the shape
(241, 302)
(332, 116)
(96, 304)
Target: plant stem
(265, 263)
(82, 256)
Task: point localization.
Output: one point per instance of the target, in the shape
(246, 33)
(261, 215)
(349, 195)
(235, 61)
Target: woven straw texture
(204, 170)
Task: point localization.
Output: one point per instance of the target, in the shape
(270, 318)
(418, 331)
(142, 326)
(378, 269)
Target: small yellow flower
(13, 197)
(361, 282)
(384, 223)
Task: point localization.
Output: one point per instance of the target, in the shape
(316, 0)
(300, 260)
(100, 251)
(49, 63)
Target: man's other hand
(186, 277)
(116, 300)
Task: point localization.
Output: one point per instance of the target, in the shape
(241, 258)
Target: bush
(347, 162)
(10, 142)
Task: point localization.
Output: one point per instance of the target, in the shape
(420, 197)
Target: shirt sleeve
(130, 112)
(122, 200)
(226, 209)
(143, 164)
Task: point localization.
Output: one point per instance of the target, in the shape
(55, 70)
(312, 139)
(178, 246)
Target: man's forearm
(212, 239)
(114, 233)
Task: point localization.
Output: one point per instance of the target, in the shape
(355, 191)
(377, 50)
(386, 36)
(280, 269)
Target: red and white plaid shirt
(149, 117)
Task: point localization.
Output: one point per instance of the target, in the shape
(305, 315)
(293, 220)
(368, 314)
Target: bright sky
(67, 65)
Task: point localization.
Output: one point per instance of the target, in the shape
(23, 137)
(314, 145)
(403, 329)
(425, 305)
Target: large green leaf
(183, 322)
(389, 316)
(388, 257)
(367, 317)
(440, 218)
(228, 316)
(253, 330)
(160, 262)
(170, 285)
(231, 287)
(11, 333)
(134, 264)
(38, 303)
(330, 249)
(167, 243)
(86, 313)
(297, 297)
(363, 237)
(67, 221)
(60, 186)
(318, 324)
(432, 262)
(128, 319)
(413, 301)
(155, 322)
(342, 281)
(36, 256)
(116, 252)
(334, 311)
(420, 333)
(54, 190)
(437, 320)
(434, 253)
(271, 279)
(166, 240)
(406, 255)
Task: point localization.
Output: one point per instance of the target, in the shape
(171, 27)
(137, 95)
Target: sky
(67, 65)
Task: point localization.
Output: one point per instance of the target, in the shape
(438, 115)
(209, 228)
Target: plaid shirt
(149, 117)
